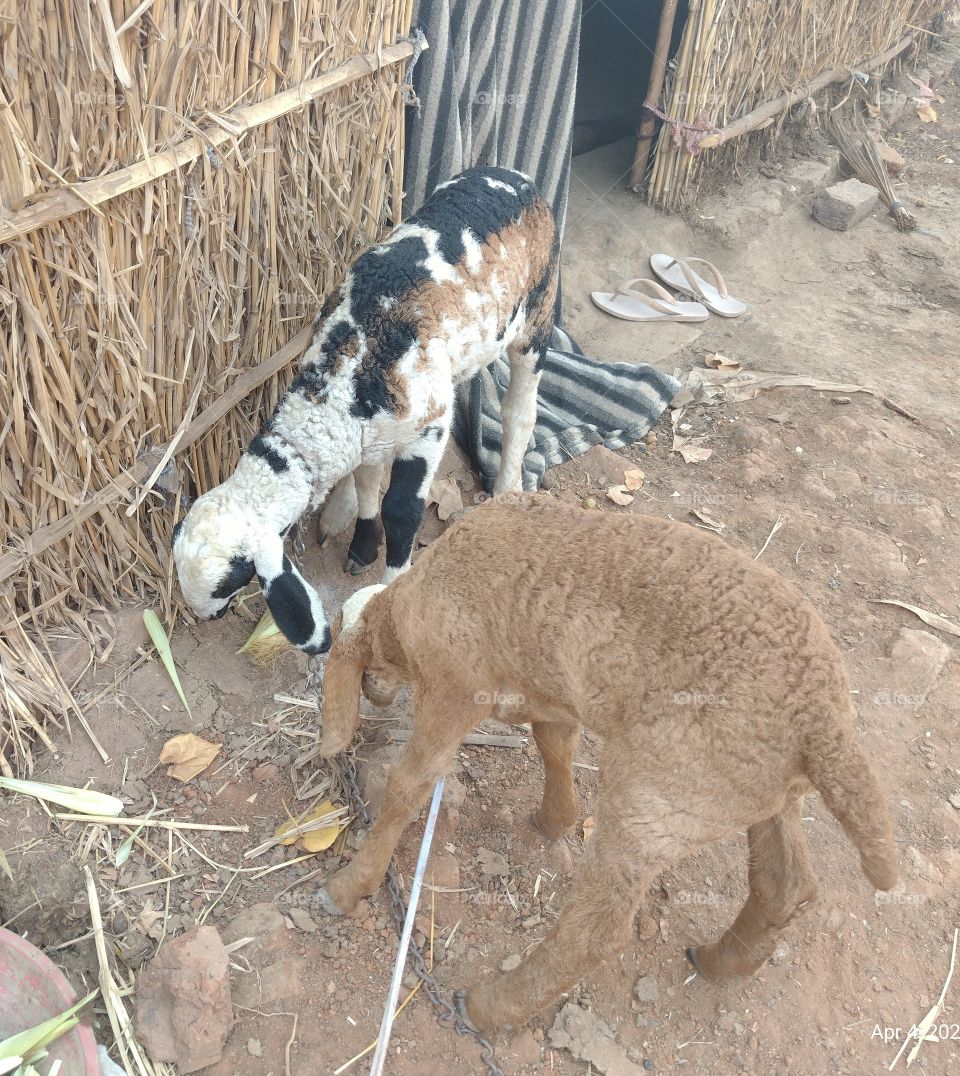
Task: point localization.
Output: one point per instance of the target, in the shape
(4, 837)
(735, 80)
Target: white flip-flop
(652, 303)
(679, 274)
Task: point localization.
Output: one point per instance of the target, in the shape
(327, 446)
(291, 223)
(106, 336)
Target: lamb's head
(356, 664)
(220, 545)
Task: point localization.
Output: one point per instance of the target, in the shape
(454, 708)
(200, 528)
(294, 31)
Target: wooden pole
(766, 112)
(64, 202)
(648, 124)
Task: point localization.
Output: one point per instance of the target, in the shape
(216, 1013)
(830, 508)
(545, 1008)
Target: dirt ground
(868, 503)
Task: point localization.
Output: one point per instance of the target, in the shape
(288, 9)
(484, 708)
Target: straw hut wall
(181, 182)
(737, 56)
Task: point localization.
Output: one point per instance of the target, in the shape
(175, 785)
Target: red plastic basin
(32, 989)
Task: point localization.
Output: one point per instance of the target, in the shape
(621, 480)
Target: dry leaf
(188, 755)
(933, 619)
(619, 495)
(633, 479)
(926, 113)
(716, 361)
(148, 919)
(706, 522)
(314, 840)
(446, 493)
(589, 825)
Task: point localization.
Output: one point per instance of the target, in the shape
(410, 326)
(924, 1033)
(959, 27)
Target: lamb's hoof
(460, 1007)
(326, 902)
(354, 567)
(692, 957)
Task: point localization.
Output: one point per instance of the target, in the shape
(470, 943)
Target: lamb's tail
(844, 778)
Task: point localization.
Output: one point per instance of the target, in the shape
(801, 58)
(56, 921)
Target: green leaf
(123, 852)
(81, 800)
(27, 1043)
(162, 643)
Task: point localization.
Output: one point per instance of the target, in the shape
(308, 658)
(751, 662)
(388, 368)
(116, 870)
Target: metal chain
(447, 1015)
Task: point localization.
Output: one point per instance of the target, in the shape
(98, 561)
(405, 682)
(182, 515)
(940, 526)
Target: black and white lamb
(469, 278)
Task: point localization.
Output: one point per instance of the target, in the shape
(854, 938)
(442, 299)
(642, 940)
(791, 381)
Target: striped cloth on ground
(581, 402)
(497, 87)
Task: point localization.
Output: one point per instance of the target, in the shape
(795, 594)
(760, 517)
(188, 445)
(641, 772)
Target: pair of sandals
(645, 300)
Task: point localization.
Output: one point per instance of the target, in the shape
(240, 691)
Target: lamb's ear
(295, 605)
(342, 683)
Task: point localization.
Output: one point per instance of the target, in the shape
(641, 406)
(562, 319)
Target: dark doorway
(617, 39)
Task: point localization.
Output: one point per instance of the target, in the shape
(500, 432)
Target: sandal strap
(718, 281)
(650, 294)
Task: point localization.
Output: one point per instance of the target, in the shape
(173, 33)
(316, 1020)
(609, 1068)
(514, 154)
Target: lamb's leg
(782, 883)
(339, 509)
(518, 413)
(403, 503)
(557, 742)
(439, 727)
(365, 546)
(595, 924)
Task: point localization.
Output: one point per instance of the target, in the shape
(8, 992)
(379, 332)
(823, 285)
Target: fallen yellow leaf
(314, 840)
(589, 825)
(927, 114)
(188, 755)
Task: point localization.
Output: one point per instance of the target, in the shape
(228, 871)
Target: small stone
(781, 954)
(265, 772)
(302, 920)
(492, 863)
(840, 399)
(184, 1011)
(646, 927)
(646, 991)
(511, 962)
(955, 800)
(810, 176)
(549, 481)
(845, 204)
(650, 438)
(254, 1047)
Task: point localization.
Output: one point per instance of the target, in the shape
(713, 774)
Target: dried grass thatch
(737, 55)
(180, 184)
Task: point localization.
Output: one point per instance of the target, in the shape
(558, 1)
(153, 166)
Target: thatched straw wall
(736, 55)
(131, 305)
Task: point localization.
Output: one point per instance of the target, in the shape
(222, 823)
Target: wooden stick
(105, 820)
(62, 203)
(766, 112)
(654, 88)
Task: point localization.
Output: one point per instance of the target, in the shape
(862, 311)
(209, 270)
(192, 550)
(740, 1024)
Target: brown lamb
(719, 696)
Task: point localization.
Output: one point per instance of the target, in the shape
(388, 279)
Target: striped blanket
(497, 86)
